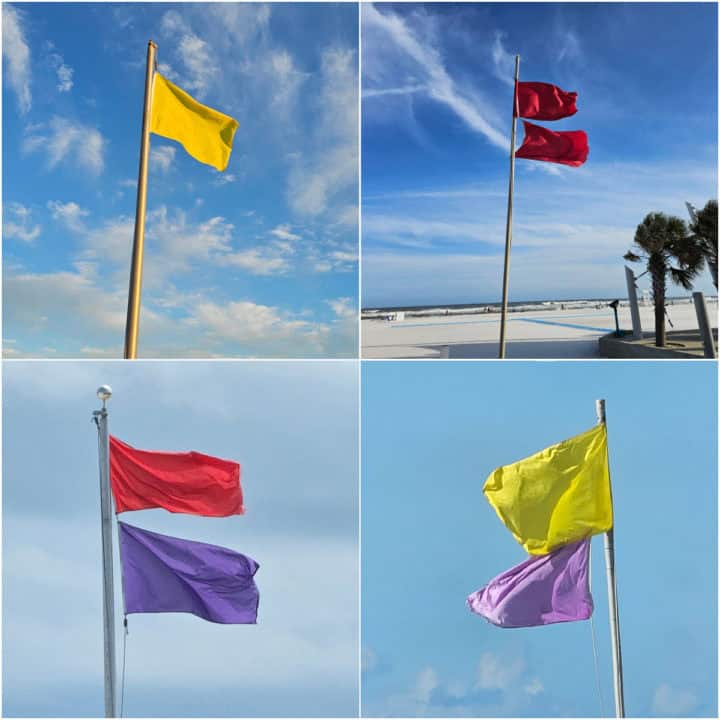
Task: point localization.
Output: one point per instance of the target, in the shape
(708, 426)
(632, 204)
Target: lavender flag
(167, 574)
(545, 589)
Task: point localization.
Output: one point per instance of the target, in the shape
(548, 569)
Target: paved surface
(571, 333)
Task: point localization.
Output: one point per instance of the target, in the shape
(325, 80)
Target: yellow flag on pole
(205, 133)
(557, 496)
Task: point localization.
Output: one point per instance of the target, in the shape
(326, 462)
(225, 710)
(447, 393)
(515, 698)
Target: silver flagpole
(508, 226)
(612, 599)
(101, 420)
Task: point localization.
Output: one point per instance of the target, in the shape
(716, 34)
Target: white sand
(570, 333)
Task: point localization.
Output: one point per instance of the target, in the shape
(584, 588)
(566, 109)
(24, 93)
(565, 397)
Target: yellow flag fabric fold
(557, 496)
(206, 134)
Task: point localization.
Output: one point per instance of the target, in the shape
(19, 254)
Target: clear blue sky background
(437, 97)
(432, 432)
(258, 261)
(293, 427)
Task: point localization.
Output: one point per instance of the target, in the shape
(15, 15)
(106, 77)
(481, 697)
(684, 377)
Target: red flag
(543, 101)
(179, 482)
(569, 147)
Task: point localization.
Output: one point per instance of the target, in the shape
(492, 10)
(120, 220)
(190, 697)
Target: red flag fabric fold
(188, 482)
(543, 101)
(569, 147)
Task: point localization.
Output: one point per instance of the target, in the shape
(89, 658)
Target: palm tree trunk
(658, 271)
(713, 265)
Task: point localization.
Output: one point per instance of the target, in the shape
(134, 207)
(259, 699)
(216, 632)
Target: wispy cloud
(406, 90)
(503, 61)
(16, 53)
(199, 62)
(69, 213)
(331, 168)
(502, 689)
(282, 232)
(162, 157)
(65, 140)
(440, 85)
(17, 223)
(64, 73)
(673, 701)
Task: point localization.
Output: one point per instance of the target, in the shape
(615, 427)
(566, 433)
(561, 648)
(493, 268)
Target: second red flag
(569, 147)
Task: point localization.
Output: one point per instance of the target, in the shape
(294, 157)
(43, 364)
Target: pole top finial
(600, 410)
(104, 392)
(152, 43)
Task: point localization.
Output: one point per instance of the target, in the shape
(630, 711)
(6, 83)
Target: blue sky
(293, 428)
(436, 102)
(431, 435)
(258, 261)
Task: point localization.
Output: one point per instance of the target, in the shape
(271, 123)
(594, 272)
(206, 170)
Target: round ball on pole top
(104, 392)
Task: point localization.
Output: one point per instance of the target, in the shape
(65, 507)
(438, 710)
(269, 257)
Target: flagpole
(133, 307)
(612, 599)
(508, 226)
(101, 420)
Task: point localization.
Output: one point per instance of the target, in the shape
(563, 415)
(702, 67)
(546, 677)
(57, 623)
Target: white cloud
(69, 213)
(495, 673)
(20, 227)
(534, 687)
(282, 232)
(348, 215)
(41, 300)
(675, 702)
(16, 53)
(225, 178)
(66, 140)
(343, 307)
(246, 321)
(65, 81)
(344, 256)
(111, 242)
(256, 262)
(568, 45)
(315, 181)
(64, 73)
(197, 58)
(286, 78)
(426, 683)
(162, 157)
(200, 65)
(503, 61)
(405, 90)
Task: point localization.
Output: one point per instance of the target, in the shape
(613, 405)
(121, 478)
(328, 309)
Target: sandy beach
(571, 332)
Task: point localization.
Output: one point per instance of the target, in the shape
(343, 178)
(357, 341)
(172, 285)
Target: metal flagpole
(508, 227)
(133, 308)
(101, 420)
(612, 600)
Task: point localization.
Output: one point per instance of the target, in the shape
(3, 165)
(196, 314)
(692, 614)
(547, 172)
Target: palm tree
(668, 249)
(704, 232)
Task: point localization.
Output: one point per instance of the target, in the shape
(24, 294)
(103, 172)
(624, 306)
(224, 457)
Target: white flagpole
(101, 420)
(612, 600)
(508, 226)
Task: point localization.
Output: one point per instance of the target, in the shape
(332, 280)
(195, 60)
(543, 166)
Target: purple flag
(167, 574)
(545, 589)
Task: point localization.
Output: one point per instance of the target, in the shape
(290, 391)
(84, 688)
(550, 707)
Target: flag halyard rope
(122, 676)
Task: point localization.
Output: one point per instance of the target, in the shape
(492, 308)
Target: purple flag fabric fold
(167, 574)
(543, 590)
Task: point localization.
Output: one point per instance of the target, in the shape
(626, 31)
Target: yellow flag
(205, 133)
(557, 496)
